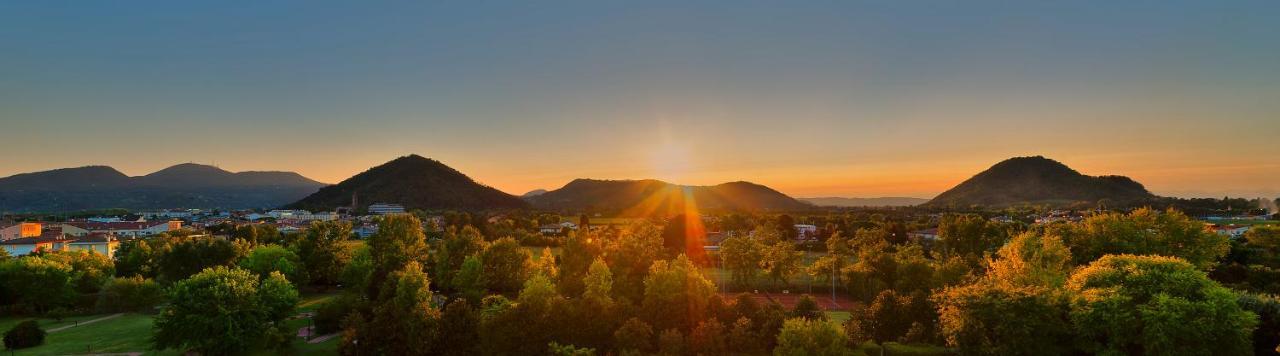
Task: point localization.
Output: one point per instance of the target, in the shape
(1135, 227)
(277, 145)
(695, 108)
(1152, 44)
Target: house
(386, 209)
(806, 231)
(550, 229)
(926, 235)
(102, 243)
(27, 245)
(364, 231)
(1232, 231)
(122, 229)
(556, 229)
(20, 230)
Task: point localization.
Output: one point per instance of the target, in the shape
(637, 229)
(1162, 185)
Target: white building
(385, 209)
(120, 229)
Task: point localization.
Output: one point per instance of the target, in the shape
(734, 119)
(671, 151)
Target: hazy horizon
(812, 99)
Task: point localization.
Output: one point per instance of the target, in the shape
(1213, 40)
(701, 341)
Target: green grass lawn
(127, 333)
(132, 332)
(838, 317)
(45, 323)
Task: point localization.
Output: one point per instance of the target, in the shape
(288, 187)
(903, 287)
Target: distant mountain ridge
(415, 182)
(1039, 180)
(864, 202)
(650, 197)
(185, 185)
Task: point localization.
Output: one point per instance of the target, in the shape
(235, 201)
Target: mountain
(864, 202)
(534, 193)
(415, 182)
(181, 186)
(1039, 180)
(657, 198)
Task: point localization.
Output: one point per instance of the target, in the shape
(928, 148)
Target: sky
(813, 98)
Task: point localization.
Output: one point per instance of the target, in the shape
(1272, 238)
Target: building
(1232, 231)
(20, 230)
(105, 244)
(365, 231)
(300, 215)
(27, 245)
(556, 229)
(806, 231)
(123, 229)
(385, 209)
(926, 235)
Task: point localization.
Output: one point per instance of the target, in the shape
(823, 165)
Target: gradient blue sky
(819, 98)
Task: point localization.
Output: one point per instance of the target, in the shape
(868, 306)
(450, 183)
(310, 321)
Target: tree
(265, 259)
(190, 255)
(1018, 307)
(1145, 304)
(505, 265)
(675, 294)
(469, 282)
(969, 235)
(398, 242)
(807, 308)
(356, 274)
(545, 264)
(324, 251)
(24, 335)
(709, 338)
(556, 349)
(780, 260)
(1004, 319)
(599, 284)
(786, 227)
(685, 234)
(671, 343)
(887, 317)
(452, 251)
(839, 251)
(634, 335)
(630, 255)
(134, 294)
(1265, 239)
(459, 324)
(743, 338)
(90, 270)
(1267, 307)
(404, 320)
(141, 257)
(741, 255)
(577, 254)
(1031, 259)
(224, 311)
(1143, 232)
(36, 284)
(811, 337)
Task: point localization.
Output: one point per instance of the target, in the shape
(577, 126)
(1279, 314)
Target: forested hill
(1039, 180)
(415, 182)
(185, 185)
(657, 198)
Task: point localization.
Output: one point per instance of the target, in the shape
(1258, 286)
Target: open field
(127, 333)
(131, 332)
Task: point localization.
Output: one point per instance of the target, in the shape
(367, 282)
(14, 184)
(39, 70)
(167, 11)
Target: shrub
(25, 334)
(329, 316)
(130, 294)
(811, 337)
